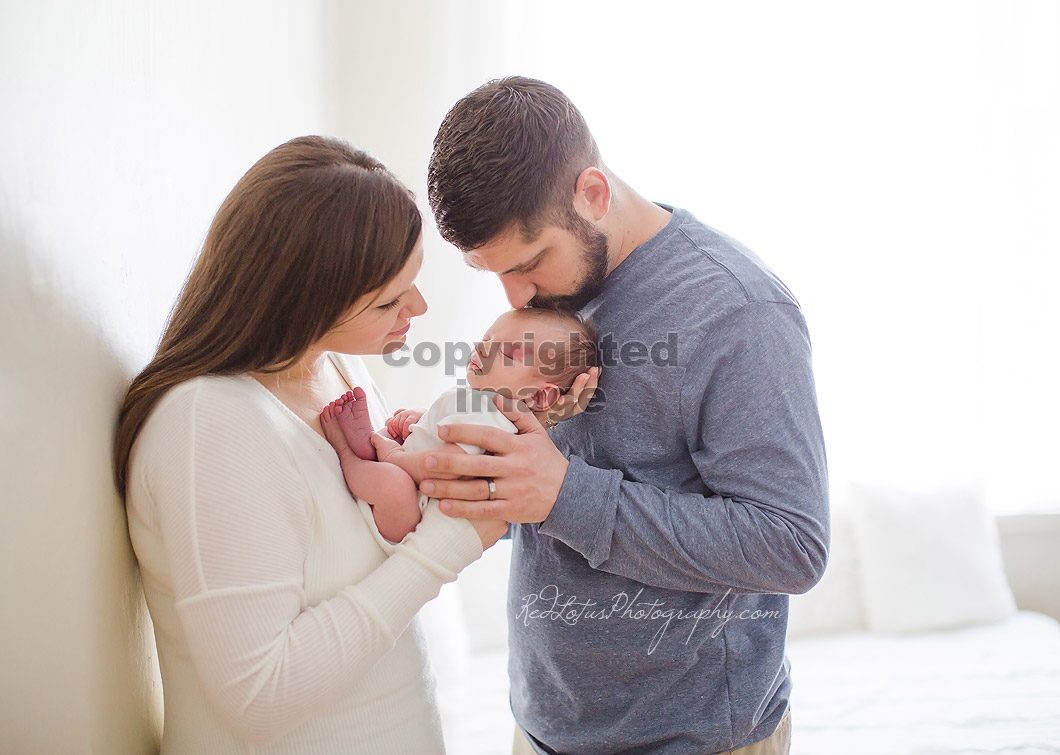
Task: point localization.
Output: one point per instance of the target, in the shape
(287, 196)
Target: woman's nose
(417, 305)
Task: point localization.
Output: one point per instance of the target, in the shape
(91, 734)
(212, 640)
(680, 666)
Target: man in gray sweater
(661, 530)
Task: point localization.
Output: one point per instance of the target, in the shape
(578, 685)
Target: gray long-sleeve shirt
(648, 611)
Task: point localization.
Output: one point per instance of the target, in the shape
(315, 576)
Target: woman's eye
(390, 305)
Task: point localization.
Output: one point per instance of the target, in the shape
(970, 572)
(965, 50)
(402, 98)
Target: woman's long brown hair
(314, 225)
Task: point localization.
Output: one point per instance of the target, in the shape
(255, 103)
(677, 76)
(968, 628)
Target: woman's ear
(592, 195)
(543, 398)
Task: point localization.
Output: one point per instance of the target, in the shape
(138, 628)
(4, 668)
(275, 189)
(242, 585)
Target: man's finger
(490, 438)
(465, 465)
(587, 390)
(523, 419)
(464, 490)
(496, 509)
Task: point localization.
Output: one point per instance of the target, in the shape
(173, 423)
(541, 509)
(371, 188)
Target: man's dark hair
(509, 152)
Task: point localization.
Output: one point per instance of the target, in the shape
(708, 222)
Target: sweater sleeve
(749, 414)
(232, 511)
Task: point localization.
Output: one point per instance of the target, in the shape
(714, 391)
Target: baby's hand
(398, 425)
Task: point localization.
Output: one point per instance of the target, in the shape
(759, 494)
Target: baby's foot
(329, 423)
(350, 413)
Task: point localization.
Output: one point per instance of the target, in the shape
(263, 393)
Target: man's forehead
(505, 251)
(494, 256)
(474, 259)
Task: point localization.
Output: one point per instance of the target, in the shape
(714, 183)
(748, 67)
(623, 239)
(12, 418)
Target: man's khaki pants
(777, 744)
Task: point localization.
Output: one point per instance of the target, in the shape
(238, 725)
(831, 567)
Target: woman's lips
(401, 332)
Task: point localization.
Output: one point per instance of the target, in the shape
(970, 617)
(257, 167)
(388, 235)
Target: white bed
(987, 689)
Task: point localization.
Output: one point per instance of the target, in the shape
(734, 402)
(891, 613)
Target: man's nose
(519, 292)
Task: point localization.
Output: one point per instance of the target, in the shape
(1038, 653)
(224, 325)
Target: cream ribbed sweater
(282, 625)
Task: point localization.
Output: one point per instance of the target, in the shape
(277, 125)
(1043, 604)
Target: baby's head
(533, 355)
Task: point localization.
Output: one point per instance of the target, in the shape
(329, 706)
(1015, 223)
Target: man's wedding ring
(493, 488)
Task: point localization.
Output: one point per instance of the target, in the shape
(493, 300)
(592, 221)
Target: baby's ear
(543, 399)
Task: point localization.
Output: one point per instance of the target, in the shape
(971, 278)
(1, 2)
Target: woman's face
(378, 321)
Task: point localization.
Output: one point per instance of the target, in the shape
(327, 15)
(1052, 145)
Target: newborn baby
(530, 355)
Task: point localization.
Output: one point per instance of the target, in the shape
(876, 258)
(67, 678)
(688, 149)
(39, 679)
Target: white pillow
(834, 604)
(929, 560)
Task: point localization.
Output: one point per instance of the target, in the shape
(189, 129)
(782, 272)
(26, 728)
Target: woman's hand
(398, 425)
(573, 401)
(489, 530)
(385, 446)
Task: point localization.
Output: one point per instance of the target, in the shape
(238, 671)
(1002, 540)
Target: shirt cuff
(584, 515)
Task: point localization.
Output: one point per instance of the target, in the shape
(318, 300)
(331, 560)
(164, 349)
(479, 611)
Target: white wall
(124, 124)
(401, 66)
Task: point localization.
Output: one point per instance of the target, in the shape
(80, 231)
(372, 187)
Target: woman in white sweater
(282, 624)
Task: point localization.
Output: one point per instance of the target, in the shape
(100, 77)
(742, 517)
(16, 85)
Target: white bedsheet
(992, 689)
(989, 689)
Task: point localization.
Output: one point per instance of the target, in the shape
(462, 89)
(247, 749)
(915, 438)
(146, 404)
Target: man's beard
(594, 254)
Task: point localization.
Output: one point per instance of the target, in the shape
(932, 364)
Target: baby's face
(507, 360)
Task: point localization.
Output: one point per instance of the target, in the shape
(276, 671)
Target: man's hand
(574, 400)
(527, 470)
(387, 449)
